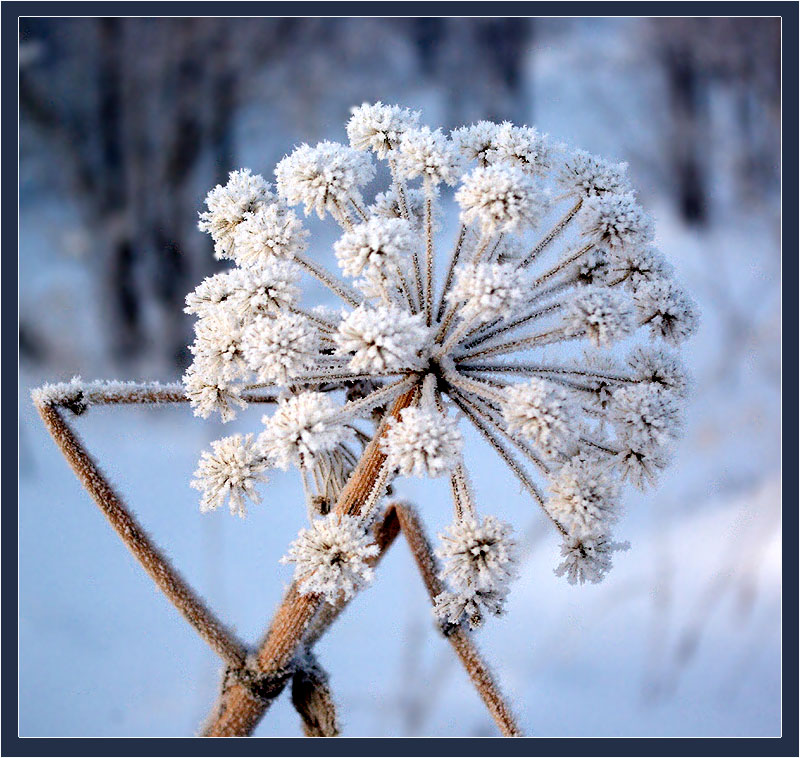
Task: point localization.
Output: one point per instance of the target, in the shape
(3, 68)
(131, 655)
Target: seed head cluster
(551, 324)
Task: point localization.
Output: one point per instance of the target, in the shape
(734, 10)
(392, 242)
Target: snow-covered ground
(682, 638)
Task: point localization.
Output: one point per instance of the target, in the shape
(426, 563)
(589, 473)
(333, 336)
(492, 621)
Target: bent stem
(168, 580)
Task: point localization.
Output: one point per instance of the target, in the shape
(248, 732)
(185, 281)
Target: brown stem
(458, 637)
(240, 710)
(154, 563)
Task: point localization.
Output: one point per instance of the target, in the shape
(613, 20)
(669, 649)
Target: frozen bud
(212, 291)
(211, 394)
(478, 555)
(423, 442)
(587, 559)
(487, 291)
(474, 142)
(376, 248)
(586, 175)
(522, 146)
(601, 389)
(584, 497)
(327, 177)
(302, 426)
(332, 558)
(273, 231)
(542, 412)
(660, 368)
(265, 290)
(381, 339)
(615, 220)
(635, 266)
(604, 316)
(453, 608)
(378, 127)
(501, 198)
(430, 155)
(230, 472)
(218, 344)
(228, 205)
(670, 312)
(279, 348)
(644, 417)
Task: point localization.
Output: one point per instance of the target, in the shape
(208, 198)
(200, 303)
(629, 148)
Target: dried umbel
(553, 250)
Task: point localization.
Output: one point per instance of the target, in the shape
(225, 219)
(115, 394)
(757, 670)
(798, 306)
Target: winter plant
(551, 325)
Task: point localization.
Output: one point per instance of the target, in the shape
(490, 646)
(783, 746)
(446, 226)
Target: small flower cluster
(553, 248)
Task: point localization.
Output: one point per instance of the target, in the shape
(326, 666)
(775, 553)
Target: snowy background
(127, 123)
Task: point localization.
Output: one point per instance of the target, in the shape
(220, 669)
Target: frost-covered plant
(553, 249)
(550, 326)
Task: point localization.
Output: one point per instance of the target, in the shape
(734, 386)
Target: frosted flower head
(218, 344)
(587, 559)
(487, 291)
(668, 310)
(584, 497)
(230, 472)
(586, 175)
(302, 426)
(272, 231)
(511, 326)
(501, 199)
(378, 127)
(325, 178)
(227, 206)
(478, 555)
(522, 146)
(604, 316)
(211, 292)
(542, 412)
(645, 418)
(279, 348)
(637, 265)
(659, 368)
(615, 220)
(380, 339)
(475, 142)
(422, 443)
(264, 290)
(332, 558)
(430, 155)
(377, 248)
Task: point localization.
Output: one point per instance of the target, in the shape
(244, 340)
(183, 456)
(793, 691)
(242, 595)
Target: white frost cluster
(550, 323)
(479, 561)
(230, 471)
(501, 198)
(487, 291)
(331, 558)
(381, 339)
(423, 443)
(542, 412)
(302, 426)
(325, 178)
